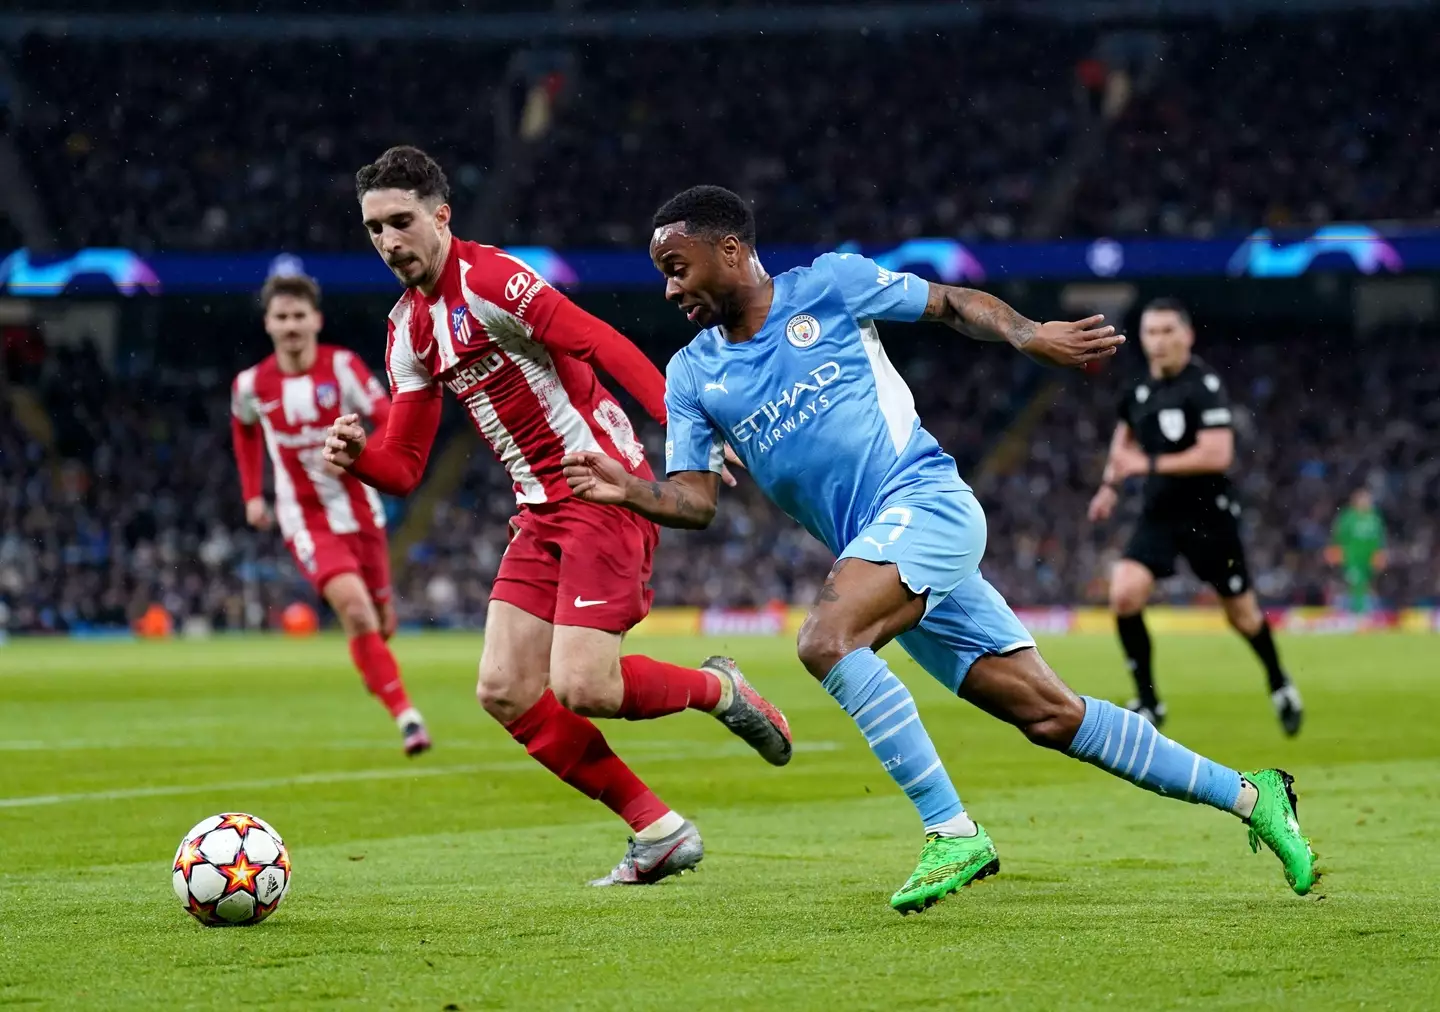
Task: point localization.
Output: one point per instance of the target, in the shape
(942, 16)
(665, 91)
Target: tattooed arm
(687, 499)
(986, 318)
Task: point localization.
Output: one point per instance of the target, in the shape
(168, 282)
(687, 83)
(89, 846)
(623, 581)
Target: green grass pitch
(457, 880)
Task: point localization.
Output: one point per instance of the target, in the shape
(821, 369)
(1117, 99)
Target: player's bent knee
(820, 647)
(358, 617)
(581, 694)
(1129, 591)
(504, 697)
(1057, 729)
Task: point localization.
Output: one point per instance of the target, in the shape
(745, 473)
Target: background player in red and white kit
(333, 525)
(519, 355)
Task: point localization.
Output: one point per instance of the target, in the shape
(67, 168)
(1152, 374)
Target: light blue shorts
(936, 539)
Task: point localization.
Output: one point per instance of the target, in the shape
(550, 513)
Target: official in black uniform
(1175, 432)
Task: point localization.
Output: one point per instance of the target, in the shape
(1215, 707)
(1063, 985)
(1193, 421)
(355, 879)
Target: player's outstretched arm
(687, 500)
(573, 331)
(986, 318)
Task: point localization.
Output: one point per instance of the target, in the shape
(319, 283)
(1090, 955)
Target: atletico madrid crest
(460, 325)
(327, 395)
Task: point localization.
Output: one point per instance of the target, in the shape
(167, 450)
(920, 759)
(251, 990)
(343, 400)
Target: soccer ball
(231, 869)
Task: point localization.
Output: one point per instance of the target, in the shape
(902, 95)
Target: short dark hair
(301, 286)
(711, 211)
(404, 167)
(1169, 304)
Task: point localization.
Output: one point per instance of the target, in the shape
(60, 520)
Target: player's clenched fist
(345, 442)
(595, 477)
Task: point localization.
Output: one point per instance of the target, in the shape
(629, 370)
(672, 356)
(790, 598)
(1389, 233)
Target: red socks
(573, 748)
(381, 673)
(654, 688)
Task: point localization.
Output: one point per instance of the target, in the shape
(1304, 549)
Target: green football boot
(947, 864)
(1274, 823)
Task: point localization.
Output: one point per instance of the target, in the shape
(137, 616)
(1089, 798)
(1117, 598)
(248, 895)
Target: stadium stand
(1201, 128)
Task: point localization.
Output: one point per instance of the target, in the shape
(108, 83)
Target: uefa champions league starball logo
(802, 331)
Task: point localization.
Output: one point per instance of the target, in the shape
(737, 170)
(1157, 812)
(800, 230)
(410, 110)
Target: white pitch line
(342, 776)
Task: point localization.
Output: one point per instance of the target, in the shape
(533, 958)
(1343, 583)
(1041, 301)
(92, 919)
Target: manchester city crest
(802, 331)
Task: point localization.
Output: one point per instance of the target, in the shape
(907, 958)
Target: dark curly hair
(404, 168)
(709, 211)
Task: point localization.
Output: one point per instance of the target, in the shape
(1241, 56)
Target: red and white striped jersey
(530, 400)
(294, 412)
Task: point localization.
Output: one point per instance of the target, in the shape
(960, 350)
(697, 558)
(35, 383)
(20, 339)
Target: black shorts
(1208, 541)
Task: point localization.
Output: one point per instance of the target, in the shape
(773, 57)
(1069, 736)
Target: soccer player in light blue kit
(790, 373)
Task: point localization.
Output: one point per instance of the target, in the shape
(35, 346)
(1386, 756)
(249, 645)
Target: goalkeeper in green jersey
(1357, 546)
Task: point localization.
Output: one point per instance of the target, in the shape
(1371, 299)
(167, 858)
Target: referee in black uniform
(1175, 431)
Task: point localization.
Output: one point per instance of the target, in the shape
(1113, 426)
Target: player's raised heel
(1275, 823)
(1288, 708)
(416, 738)
(751, 716)
(648, 863)
(947, 865)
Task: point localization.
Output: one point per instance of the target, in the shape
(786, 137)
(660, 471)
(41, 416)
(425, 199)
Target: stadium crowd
(135, 501)
(156, 145)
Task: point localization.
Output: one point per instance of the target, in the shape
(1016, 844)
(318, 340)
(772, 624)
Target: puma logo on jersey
(718, 386)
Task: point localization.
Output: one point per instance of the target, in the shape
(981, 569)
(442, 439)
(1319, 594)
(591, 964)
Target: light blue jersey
(812, 404)
(828, 429)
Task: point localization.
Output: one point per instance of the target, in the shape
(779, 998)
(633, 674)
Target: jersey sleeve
(514, 286)
(521, 295)
(872, 292)
(692, 442)
(360, 392)
(408, 373)
(245, 434)
(1122, 408)
(1212, 404)
(242, 399)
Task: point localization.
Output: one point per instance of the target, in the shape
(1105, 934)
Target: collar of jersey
(762, 336)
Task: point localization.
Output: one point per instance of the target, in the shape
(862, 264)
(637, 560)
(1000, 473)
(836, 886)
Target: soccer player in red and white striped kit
(333, 525)
(521, 358)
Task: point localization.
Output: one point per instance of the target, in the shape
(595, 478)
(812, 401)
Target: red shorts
(576, 563)
(323, 555)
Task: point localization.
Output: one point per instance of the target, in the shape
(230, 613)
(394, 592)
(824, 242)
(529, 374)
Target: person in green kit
(1357, 546)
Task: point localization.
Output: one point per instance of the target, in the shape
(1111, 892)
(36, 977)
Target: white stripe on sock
(899, 687)
(928, 770)
(1139, 733)
(1124, 730)
(1149, 754)
(1194, 772)
(908, 720)
(907, 701)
